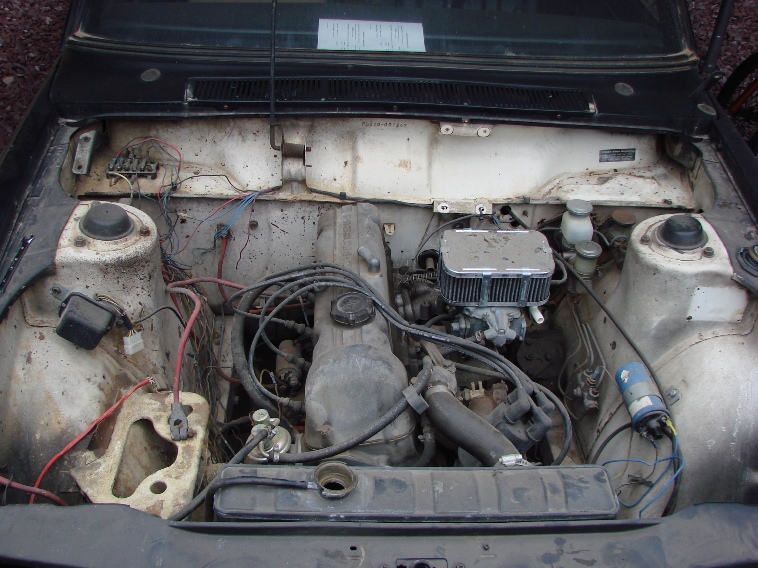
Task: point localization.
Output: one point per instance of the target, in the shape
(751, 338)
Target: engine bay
(383, 321)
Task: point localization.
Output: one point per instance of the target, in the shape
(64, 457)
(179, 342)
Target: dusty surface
(31, 31)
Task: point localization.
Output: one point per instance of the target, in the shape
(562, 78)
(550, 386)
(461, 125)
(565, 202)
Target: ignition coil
(642, 399)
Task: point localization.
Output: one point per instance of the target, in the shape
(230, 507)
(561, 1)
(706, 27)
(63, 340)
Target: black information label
(618, 155)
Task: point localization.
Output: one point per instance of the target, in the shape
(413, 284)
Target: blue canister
(641, 395)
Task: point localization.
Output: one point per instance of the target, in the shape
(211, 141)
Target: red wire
(210, 279)
(749, 92)
(81, 436)
(173, 289)
(33, 490)
(226, 377)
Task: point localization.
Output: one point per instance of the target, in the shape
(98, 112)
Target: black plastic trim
(351, 90)
(115, 535)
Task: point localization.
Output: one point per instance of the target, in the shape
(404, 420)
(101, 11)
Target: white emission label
(361, 35)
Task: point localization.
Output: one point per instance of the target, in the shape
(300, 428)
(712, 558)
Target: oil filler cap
(106, 222)
(682, 232)
(353, 309)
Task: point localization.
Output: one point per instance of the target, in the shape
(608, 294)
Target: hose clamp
(511, 460)
(439, 387)
(415, 400)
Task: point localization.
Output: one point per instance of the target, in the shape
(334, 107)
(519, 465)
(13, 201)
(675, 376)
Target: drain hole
(334, 486)
(158, 487)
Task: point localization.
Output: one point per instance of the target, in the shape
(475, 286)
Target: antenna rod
(717, 39)
(272, 96)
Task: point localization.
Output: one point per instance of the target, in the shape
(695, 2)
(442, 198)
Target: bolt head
(481, 209)
(80, 241)
(144, 230)
(708, 252)
(444, 207)
(253, 223)
(645, 239)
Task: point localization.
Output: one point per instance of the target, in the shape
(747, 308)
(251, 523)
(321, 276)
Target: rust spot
(405, 164)
(41, 336)
(155, 509)
(29, 358)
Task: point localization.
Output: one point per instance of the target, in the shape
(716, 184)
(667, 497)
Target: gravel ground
(31, 32)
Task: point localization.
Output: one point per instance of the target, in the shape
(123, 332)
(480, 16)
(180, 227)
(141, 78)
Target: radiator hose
(464, 428)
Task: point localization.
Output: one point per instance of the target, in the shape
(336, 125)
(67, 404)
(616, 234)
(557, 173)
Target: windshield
(491, 28)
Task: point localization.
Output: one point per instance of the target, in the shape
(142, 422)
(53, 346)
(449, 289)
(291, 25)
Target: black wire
(511, 371)
(570, 270)
(566, 420)
(386, 419)
(180, 182)
(238, 458)
(313, 277)
(607, 440)
(220, 483)
(173, 310)
(358, 199)
(245, 420)
(438, 229)
(671, 503)
(439, 318)
(622, 331)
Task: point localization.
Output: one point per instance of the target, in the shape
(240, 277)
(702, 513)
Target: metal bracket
(672, 396)
(463, 206)
(294, 167)
(466, 129)
(88, 142)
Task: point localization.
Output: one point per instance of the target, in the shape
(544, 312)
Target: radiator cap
(353, 309)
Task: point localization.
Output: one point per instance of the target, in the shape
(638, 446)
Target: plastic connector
(133, 343)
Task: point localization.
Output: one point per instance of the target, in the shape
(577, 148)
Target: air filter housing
(495, 268)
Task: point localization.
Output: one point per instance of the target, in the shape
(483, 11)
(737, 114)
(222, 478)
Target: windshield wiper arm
(272, 90)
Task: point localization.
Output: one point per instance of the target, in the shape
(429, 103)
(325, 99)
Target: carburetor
(493, 275)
